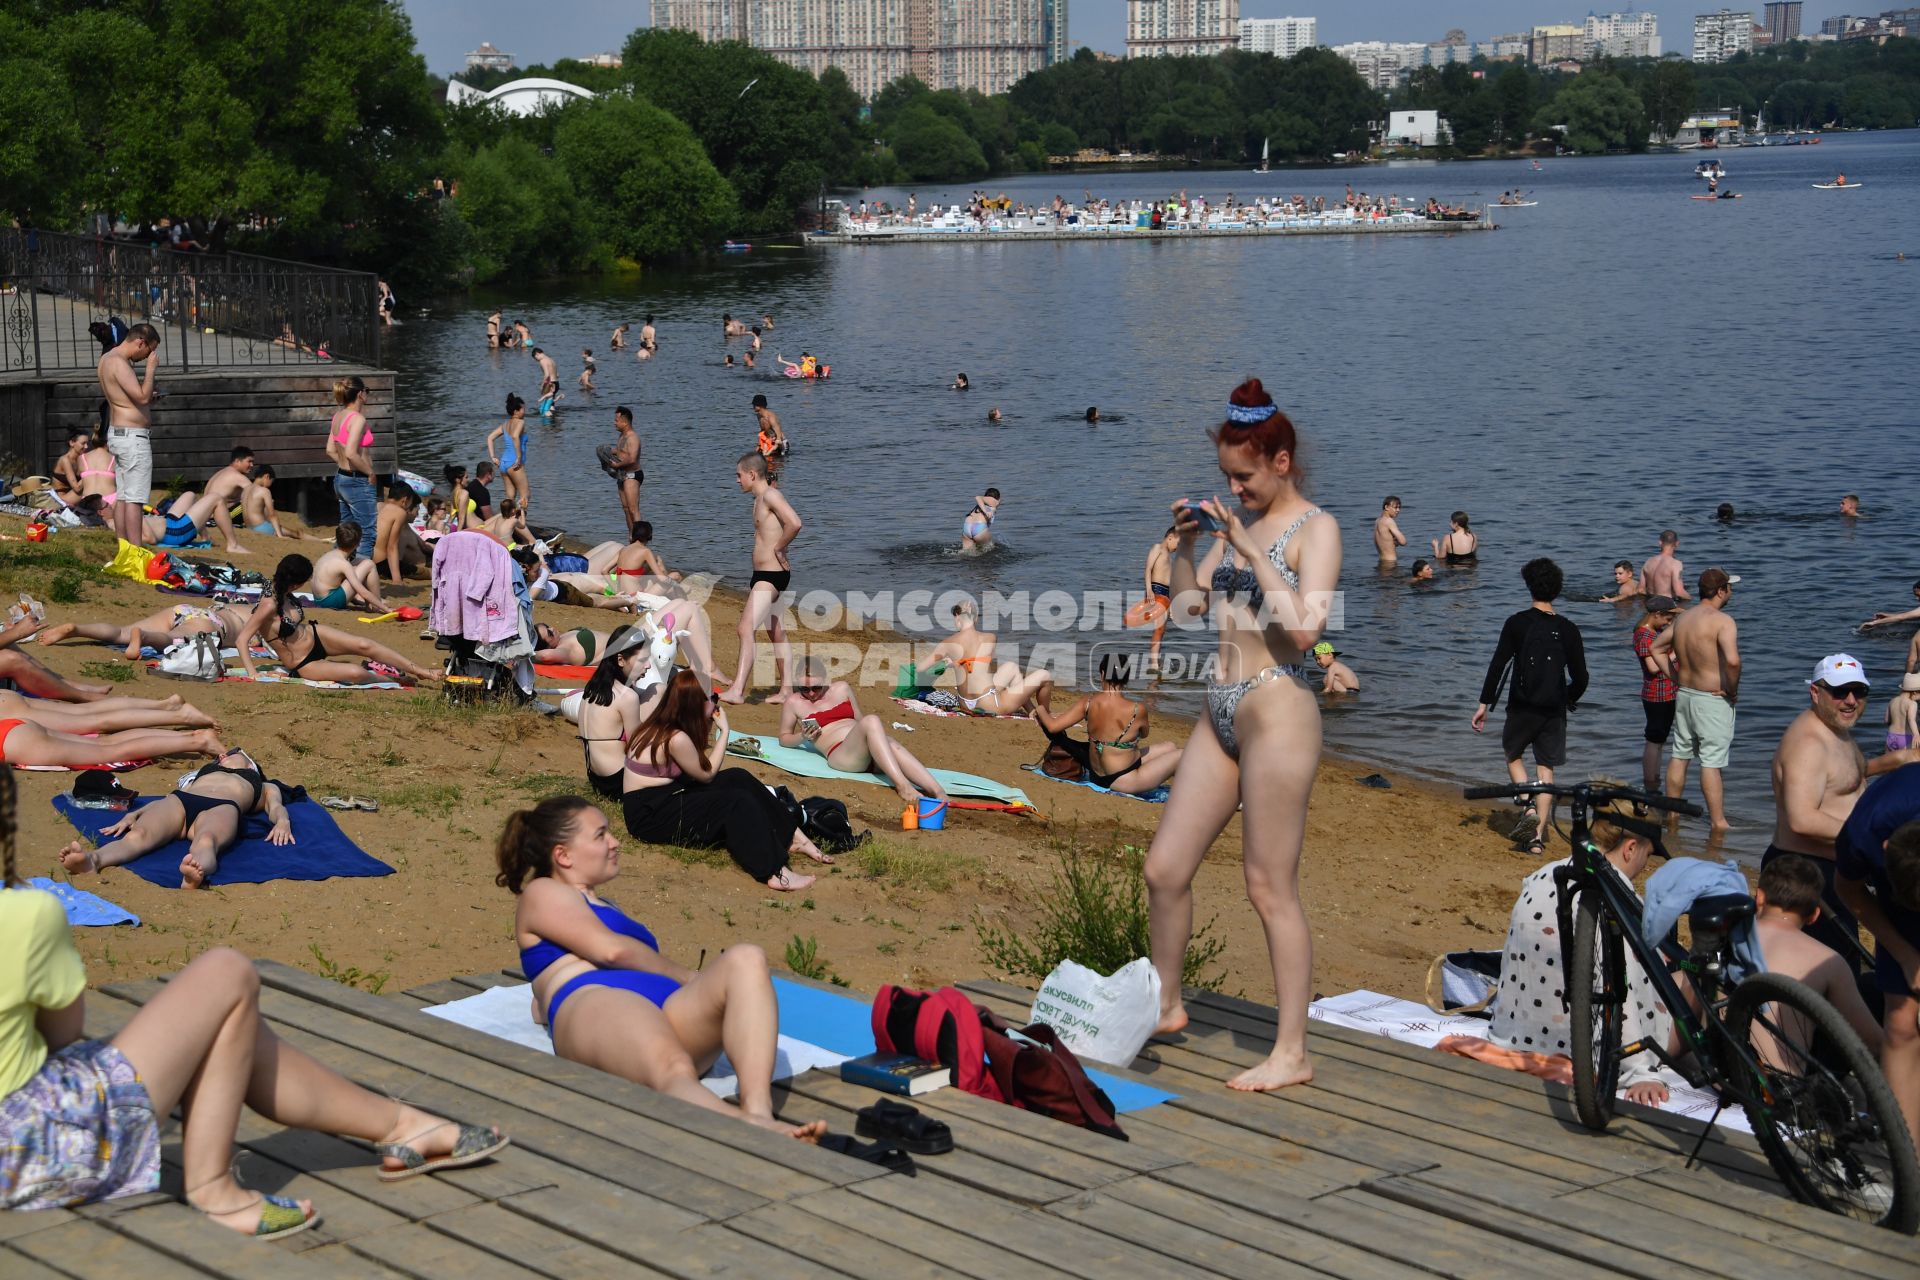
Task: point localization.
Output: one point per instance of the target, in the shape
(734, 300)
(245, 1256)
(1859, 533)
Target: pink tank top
(343, 427)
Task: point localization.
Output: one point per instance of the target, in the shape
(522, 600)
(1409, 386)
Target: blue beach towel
(320, 850)
(85, 908)
(810, 764)
(1156, 796)
(845, 1025)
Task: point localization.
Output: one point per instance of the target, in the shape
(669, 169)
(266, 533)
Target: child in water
(976, 531)
(1903, 713)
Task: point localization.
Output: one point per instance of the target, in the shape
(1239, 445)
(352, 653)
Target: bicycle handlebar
(1586, 792)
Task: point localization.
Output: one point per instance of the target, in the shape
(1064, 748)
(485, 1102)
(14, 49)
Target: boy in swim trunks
(775, 526)
(341, 579)
(772, 440)
(256, 505)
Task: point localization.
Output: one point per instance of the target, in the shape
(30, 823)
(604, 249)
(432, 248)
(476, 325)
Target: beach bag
(1058, 762)
(936, 1026)
(826, 823)
(129, 562)
(1035, 1071)
(1463, 982)
(474, 679)
(194, 657)
(1107, 1019)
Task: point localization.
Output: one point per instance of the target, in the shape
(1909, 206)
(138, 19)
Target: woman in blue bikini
(511, 457)
(1271, 580)
(608, 997)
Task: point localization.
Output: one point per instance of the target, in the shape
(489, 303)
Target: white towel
(507, 1013)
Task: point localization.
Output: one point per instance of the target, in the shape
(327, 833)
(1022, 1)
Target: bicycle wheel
(1596, 1004)
(1818, 1104)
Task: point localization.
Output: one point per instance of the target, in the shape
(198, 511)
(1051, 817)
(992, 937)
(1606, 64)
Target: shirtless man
(1159, 571)
(731, 328)
(1387, 538)
(772, 440)
(1703, 643)
(549, 373)
(1818, 774)
(618, 342)
(621, 461)
(227, 487)
(341, 579)
(129, 424)
(395, 544)
(1885, 617)
(1661, 575)
(67, 484)
(1850, 506)
(775, 526)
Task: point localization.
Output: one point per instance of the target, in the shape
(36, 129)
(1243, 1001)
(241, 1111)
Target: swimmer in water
(728, 362)
(1461, 545)
(1339, 676)
(1724, 513)
(993, 414)
(959, 382)
(587, 367)
(1850, 505)
(976, 531)
(772, 440)
(1387, 538)
(1422, 571)
(731, 328)
(1626, 585)
(1093, 414)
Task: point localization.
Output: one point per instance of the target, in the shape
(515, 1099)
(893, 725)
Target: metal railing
(212, 309)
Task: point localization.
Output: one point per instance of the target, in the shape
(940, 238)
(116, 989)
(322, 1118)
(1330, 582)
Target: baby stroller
(482, 616)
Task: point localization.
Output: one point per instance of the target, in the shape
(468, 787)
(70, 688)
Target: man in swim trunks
(1387, 538)
(1661, 575)
(775, 526)
(1818, 774)
(1160, 587)
(621, 461)
(341, 579)
(549, 373)
(129, 425)
(1704, 645)
(772, 440)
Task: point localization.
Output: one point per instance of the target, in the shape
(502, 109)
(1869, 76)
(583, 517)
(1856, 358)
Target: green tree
(524, 215)
(642, 177)
(1670, 95)
(42, 150)
(1598, 111)
(1058, 140)
(932, 147)
(1514, 91)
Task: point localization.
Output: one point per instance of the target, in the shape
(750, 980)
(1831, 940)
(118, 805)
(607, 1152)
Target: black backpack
(1540, 668)
(826, 823)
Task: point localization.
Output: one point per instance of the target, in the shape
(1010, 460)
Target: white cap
(1732, 578)
(1840, 669)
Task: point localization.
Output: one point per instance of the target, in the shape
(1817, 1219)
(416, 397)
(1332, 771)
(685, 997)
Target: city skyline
(447, 31)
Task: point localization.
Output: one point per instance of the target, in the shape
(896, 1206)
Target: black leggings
(734, 810)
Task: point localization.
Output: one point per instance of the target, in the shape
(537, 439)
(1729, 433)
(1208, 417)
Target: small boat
(731, 247)
(1837, 186)
(1725, 195)
(1265, 146)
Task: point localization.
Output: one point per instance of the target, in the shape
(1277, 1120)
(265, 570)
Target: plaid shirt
(1652, 688)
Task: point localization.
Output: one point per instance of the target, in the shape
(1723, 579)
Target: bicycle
(1814, 1096)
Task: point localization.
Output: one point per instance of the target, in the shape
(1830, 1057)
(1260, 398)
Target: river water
(1616, 360)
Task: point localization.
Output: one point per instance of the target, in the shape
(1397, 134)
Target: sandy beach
(1391, 877)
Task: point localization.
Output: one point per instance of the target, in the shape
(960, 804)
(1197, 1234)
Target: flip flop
(885, 1154)
(899, 1123)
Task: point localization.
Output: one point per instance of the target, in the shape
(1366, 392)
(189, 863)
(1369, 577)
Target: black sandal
(899, 1123)
(1536, 847)
(887, 1155)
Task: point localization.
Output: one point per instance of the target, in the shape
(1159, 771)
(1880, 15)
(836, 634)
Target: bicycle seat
(1720, 912)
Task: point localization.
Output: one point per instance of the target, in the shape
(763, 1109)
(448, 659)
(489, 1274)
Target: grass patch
(551, 784)
(65, 587)
(695, 857)
(111, 672)
(907, 868)
(803, 957)
(1094, 910)
(436, 798)
(350, 976)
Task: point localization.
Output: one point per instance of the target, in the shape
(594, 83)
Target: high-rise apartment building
(1836, 26)
(1281, 37)
(1622, 35)
(1782, 21)
(1718, 36)
(948, 44)
(1560, 42)
(1176, 28)
(1381, 64)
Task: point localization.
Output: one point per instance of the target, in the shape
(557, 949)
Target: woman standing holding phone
(1269, 571)
(350, 445)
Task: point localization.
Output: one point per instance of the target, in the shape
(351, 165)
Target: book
(900, 1073)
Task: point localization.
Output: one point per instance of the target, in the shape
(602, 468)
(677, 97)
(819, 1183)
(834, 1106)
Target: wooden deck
(1395, 1162)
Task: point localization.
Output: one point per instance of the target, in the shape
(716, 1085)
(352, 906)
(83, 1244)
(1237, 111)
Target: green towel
(809, 764)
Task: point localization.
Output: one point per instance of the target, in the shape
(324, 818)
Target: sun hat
(1910, 682)
(1325, 649)
(1840, 669)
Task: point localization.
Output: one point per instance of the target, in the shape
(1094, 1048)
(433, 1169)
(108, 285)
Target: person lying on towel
(607, 994)
(209, 811)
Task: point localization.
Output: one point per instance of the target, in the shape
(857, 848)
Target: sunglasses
(811, 690)
(1855, 692)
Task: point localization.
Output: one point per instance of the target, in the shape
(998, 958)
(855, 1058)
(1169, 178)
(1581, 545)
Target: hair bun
(1250, 395)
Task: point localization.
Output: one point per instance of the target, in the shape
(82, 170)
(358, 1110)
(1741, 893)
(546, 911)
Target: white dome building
(519, 97)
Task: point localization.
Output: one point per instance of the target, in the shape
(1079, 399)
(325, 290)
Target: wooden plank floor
(1395, 1162)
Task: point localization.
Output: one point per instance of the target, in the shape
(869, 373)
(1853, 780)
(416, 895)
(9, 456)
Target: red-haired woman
(1269, 569)
(677, 793)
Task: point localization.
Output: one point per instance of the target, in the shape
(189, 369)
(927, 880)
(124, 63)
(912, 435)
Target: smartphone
(1207, 523)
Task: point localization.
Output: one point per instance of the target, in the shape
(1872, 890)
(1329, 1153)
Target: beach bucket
(933, 814)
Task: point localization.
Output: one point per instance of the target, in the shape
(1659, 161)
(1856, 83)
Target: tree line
(316, 131)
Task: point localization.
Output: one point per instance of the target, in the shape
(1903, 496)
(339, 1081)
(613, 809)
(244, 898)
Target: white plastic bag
(1104, 1019)
(196, 657)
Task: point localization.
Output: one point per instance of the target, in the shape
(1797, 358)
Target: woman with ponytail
(350, 445)
(608, 996)
(309, 650)
(610, 711)
(82, 1118)
(1268, 571)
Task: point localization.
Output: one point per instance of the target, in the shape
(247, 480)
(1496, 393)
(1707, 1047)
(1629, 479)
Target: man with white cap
(1818, 773)
(1704, 644)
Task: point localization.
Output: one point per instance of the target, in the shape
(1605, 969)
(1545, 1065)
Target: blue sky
(544, 30)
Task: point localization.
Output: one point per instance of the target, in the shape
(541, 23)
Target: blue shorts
(334, 599)
(181, 531)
